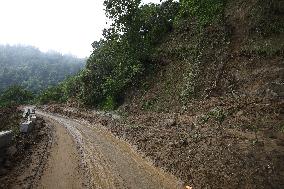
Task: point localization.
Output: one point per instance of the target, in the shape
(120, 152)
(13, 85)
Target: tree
(121, 56)
(15, 95)
(204, 11)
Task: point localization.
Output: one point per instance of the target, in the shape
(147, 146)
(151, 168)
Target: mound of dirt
(21, 164)
(9, 118)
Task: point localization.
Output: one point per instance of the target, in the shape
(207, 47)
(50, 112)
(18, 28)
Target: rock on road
(110, 162)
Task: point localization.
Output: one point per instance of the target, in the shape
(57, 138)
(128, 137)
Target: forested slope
(34, 70)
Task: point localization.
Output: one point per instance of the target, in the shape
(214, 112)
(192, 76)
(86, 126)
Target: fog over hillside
(29, 67)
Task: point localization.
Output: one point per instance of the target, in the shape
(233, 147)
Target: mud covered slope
(212, 111)
(213, 114)
(9, 118)
(241, 56)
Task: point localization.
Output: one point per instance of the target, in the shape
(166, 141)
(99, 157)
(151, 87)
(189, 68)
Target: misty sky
(67, 26)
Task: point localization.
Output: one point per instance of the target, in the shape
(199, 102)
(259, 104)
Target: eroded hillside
(222, 90)
(209, 105)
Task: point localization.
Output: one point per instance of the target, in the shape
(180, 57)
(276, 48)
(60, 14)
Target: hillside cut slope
(211, 110)
(213, 113)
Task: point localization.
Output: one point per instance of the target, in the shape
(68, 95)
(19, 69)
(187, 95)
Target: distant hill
(29, 67)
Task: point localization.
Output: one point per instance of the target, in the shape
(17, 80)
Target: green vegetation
(216, 114)
(264, 47)
(65, 90)
(122, 56)
(204, 12)
(51, 94)
(34, 70)
(268, 18)
(191, 32)
(15, 95)
(130, 46)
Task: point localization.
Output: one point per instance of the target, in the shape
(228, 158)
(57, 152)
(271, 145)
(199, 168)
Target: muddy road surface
(109, 162)
(62, 169)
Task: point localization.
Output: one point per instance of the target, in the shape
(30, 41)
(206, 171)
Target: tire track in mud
(63, 166)
(110, 162)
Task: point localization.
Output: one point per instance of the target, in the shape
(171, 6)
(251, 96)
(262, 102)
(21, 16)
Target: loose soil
(9, 118)
(24, 161)
(46, 157)
(63, 166)
(201, 152)
(110, 162)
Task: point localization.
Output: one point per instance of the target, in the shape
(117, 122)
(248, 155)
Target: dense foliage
(15, 95)
(65, 90)
(125, 51)
(205, 11)
(33, 69)
(127, 48)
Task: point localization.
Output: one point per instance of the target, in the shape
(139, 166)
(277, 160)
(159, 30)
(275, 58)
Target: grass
(109, 104)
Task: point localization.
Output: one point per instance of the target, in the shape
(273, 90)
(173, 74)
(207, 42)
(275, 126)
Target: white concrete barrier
(5, 138)
(26, 127)
(33, 117)
(32, 111)
(29, 111)
(25, 113)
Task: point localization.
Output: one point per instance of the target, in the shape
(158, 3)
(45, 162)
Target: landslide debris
(21, 164)
(203, 152)
(211, 112)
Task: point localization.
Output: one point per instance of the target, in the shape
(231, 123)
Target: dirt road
(62, 169)
(108, 161)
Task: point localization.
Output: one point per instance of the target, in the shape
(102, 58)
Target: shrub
(15, 95)
(52, 94)
(109, 103)
(204, 11)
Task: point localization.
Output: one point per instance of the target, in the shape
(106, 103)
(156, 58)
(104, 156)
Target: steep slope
(239, 57)
(209, 109)
(213, 114)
